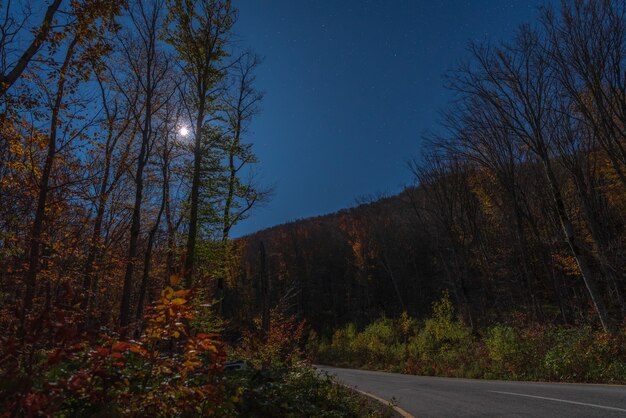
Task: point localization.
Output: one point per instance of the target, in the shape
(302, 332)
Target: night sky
(350, 88)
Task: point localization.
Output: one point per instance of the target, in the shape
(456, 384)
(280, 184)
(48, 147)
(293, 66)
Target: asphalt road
(445, 397)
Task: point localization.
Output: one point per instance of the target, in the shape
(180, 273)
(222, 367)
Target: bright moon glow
(184, 131)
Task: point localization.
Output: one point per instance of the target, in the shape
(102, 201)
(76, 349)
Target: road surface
(445, 397)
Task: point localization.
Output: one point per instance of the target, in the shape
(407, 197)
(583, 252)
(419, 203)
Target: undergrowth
(443, 345)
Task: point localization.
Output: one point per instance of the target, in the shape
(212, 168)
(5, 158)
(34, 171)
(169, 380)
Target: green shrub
(296, 391)
(505, 350)
(374, 346)
(443, 345)
(313, 345)
(581, 354)
(339, 352)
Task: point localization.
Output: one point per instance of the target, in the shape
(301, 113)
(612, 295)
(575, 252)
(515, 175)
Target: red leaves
(36, 404)
(121, 346)
(103, 351)
(77, 381)
(56, 356)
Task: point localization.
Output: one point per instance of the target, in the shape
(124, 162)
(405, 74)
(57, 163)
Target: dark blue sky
(350, 87)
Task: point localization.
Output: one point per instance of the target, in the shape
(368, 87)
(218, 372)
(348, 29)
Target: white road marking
(611, 408)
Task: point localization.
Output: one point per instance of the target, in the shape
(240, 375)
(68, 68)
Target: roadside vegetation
(175, 368)
(443, 345)
(124, 165)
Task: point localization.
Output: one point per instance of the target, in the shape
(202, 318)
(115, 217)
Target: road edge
(396, 408)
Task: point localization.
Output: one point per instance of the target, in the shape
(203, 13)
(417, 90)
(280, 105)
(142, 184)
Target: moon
(184, 131)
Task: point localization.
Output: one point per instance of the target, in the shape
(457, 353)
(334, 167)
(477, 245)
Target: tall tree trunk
(97, 230)
(195, 192)
(148, 261)
(169, 258)
(226, 221)
(44, 186)
(135, 227)
(572, 241)
(265, 292)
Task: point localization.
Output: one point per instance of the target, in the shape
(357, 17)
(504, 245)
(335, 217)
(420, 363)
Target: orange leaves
(567, 264)
(196, 347)
(279, 344)
(205, 342)
(175, 279)
(138, 349)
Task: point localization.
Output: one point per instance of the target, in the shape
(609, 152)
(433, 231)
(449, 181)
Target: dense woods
(125, 164)
(517, 207)
(124, 139)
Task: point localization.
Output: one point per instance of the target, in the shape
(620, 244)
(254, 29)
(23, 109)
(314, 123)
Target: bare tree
(587, 51)
(120, 126)
(149, 68)
(10, 30)
(516, 81)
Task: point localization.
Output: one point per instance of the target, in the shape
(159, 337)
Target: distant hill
(351, 265)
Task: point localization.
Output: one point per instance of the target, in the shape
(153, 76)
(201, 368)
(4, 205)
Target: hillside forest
(125, 164)
(515, 219)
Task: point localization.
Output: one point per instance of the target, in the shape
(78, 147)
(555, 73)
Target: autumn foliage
(170, 370)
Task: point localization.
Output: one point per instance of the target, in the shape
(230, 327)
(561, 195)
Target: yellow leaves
(167, 293)
(201, 344)
(481, 182)
(485, 201)
(17, 149)
(191, 364)
(168, 317)
(170, 295)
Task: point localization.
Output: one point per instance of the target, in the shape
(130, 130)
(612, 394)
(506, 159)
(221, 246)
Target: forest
(125, 164)
(516, 211)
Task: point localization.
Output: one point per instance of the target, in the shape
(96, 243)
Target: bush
(505, 350)
(170, 371)
(280, 346)
(339, 351)
(379, 346)
(443, 345)
(296, 391)
(580, 354)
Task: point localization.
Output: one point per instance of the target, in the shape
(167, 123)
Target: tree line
(518, 203)
(124, 158)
